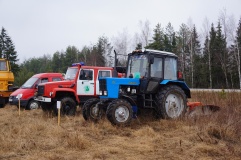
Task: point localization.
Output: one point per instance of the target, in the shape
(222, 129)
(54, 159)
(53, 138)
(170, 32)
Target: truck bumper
(42, 99)
(15, 101)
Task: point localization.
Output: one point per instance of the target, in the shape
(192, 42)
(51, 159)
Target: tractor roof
(156, 52)
(160, 52)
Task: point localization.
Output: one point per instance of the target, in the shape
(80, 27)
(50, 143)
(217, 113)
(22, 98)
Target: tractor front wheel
(171, 102)
(91, 110)
(119, 112)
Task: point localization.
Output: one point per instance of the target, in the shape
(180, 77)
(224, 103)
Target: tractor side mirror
(151, 59)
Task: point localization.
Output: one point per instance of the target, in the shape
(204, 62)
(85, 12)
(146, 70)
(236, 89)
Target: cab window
(44, 80)
(56, 79)
(156, 68)
(170, 71)
(104, 74)
(86, 74)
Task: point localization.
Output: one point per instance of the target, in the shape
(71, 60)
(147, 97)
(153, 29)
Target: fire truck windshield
(71, 73)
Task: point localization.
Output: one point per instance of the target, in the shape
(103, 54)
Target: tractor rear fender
(129, 99)
(181, 84)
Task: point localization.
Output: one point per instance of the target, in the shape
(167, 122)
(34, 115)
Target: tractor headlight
(133, 91)
(105, 93)
(128, 89)
(100, 93)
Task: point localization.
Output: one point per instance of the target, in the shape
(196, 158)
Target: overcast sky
(40, 27)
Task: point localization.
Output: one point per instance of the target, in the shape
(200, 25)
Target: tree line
(212, 61)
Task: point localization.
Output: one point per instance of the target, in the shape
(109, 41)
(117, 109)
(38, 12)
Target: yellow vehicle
(6, 81)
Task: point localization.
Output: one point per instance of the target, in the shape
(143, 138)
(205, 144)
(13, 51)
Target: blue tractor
(151, 81)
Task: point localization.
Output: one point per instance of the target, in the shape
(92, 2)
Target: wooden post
(58, 107)
(19, 107)
(19, 96)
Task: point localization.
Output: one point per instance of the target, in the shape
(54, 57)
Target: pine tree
(196, 56)
(211, 52)
(7, 50)
(169, 38)
(158, 39)
(221, 57)
(71, 54)
(103, 50)
(204, 69)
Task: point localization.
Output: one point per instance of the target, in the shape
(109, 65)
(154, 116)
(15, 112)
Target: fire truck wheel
(91, 111)
(171, 102)
(119, 112)
(68, 106)
(32, 105)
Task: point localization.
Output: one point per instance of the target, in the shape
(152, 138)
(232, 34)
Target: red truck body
(80, 84)
(28, 89)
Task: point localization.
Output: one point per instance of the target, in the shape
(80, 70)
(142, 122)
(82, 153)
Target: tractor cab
(151, 67)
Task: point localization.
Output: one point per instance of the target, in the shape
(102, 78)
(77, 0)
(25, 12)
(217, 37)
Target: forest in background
(207, 59)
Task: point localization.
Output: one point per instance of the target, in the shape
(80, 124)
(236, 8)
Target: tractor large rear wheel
(119, 112)
(91, 111)
(171, 102)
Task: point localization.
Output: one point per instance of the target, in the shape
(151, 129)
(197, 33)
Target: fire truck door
(85, 83)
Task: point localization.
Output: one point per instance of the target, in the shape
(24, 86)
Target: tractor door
(150, 83)
(85, 83)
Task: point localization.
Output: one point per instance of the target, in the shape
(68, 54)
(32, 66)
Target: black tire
(171, 102)
(2, 105)
(119, 112)
(32, 104)
(2, 102)
(47, 106)
(90, 111)
(68, 107)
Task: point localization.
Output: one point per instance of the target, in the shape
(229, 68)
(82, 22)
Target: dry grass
(34, 135)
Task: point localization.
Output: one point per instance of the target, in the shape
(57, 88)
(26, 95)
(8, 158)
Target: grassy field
(35, 135)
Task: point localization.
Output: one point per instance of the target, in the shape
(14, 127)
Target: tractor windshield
(137, 66)
(71, 73)
(3, 65)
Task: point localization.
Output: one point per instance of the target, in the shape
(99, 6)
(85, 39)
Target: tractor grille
(103, 86)
(40, 90)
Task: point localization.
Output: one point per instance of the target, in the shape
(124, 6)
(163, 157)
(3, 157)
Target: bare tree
(121, 44)
(182, 48)
(145, 32)
(223, 20)
(231, 32)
